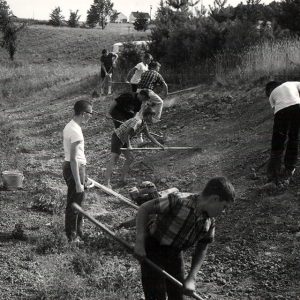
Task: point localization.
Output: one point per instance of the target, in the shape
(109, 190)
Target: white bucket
(12, 179)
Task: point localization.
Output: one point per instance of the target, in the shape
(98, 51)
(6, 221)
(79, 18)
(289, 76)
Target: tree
(114, 16)
(56, 17)
(141, 22)
(73, 19)
(99, 11)
(5, 13)
(9, 29)
(92, 16)
(182, 4)
(289, 15)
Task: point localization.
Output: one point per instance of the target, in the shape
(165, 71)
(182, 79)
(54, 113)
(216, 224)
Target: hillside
(255, 255)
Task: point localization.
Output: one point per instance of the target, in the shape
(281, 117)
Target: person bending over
(285, 101)
(181, 222)
(149, 80)
(121, 138)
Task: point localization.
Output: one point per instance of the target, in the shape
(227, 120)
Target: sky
(41, 9)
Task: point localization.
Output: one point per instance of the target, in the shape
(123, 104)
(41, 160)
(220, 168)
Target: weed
(55, 242)
(48, 199)
(84, 263)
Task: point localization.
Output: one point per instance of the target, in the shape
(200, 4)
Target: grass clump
(84, 263)
(48, 199)
(54, 243)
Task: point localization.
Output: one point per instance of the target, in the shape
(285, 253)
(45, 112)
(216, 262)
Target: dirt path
(255, 255)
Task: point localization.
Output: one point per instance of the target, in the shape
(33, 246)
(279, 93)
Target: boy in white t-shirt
(134, 75)
(74, 167)
(285, 100)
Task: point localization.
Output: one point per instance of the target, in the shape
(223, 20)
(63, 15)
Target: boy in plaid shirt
(121, 138)
(181, 222)
(149, 80)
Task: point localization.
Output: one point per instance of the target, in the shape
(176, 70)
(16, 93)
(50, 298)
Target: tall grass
(268, 59)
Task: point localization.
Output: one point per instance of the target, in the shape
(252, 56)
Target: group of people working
(181, 222)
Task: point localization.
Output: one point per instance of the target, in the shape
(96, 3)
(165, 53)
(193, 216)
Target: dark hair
(148, 112)
(220, 186)
(154, 64)
(81, 106)
(270, 86)
(148, 56)
(144, 93)
(104, 51)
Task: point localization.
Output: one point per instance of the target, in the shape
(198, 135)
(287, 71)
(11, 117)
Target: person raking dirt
(127, 105)
(181, 222)
(74, 168)
(121, 138)
(149, 81)
(107, 61)
(285, 100)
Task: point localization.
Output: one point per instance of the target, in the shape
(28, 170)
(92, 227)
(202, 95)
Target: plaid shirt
(129, 128)
(180, 223)
(150, 79)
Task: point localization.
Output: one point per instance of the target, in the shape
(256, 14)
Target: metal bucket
(12, 180)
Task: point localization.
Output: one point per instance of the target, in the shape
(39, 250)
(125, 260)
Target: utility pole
(150, 11)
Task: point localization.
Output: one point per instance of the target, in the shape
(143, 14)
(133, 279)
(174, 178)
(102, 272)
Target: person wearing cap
(134, 75)
(181, 222)
(107, 60)
(127, 105)
(121, 139)
(74, 168)
(149, 81)
(285, 101)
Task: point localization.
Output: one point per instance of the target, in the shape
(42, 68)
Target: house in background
(134, 15)
(121, 18)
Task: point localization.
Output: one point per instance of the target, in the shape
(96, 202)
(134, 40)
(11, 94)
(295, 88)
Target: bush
(128, 58)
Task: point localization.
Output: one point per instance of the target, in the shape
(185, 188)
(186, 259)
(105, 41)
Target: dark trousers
(73, 220)
(155, 286)
(285, 140)
(134, 87)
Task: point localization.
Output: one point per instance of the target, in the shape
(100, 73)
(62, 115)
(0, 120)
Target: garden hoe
(130, 249)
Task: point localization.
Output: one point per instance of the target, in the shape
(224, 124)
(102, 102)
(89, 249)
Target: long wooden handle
(131, 250)
(158, 148)
(113, 193)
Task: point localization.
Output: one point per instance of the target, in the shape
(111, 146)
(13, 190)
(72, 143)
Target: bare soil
(256, 252)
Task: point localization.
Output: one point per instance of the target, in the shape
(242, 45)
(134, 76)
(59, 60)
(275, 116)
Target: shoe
(77, 241)
(287, 176)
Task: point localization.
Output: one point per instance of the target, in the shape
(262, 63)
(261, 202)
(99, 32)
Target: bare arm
(130, 73)
(165, 89)
(152, 138)
(142, 216)
(103, 67)
(75, 167)
(198, 258)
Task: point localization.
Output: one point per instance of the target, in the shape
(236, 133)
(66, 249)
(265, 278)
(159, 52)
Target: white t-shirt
(140, 69)
(285, 95)
(72, 133)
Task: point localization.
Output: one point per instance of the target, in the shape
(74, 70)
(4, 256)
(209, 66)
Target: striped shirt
(130, 128)
(180, 223)
(150, 79)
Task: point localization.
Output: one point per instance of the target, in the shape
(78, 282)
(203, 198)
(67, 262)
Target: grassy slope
(255, 254)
